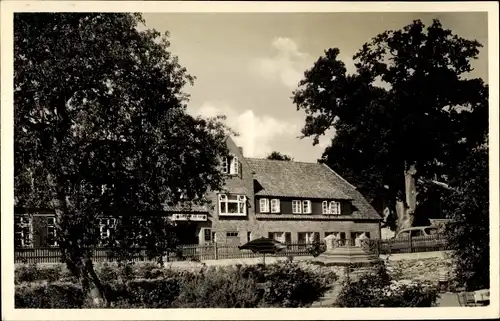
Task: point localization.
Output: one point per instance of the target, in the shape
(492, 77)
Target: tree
(407, 116)
(468, 232)
(101, 130)
(278, 156)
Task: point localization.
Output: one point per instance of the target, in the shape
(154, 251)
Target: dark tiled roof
(308, 180)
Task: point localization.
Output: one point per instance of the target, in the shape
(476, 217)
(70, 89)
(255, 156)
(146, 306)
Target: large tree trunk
(96, 294)
(405, 205)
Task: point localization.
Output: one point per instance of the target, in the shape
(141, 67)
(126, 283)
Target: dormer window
(306, 207)
(264, 205)
(275, 205)
(331, 208)
(269, 205)
(231, 165)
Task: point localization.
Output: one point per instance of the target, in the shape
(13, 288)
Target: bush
(33, 272)
(55, 295)
(287, 285)
(219, 288)
(376, 289)
(152, 293)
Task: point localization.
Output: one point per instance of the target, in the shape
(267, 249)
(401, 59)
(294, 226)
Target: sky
(248, 64)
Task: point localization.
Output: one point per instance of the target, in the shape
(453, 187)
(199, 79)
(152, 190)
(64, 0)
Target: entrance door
(186, 233)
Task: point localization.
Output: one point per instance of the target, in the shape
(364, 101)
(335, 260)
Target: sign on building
(189, 217)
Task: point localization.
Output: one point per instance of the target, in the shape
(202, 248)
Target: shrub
(375, 289)
(287, 285)
(55, 295)
(152, 293)
(218, 288)
(316, 249)
(33, 272)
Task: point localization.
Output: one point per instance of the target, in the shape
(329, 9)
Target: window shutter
(276, 206)
(235, 165)
(324, 207)
(263, 205)
(225, 165)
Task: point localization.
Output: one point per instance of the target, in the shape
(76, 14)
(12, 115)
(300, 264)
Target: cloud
(257, 133)
(286, 65)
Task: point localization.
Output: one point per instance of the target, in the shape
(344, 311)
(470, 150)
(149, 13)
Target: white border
(7, 9)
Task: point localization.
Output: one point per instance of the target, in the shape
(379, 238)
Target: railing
(220, 252)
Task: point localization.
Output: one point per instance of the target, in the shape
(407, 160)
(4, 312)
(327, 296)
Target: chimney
(241, 150)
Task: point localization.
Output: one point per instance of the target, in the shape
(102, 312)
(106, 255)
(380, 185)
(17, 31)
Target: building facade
(293, 202)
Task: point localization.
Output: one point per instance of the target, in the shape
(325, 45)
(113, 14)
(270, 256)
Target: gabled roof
(307, 180)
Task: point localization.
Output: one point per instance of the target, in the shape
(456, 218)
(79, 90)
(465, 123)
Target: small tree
(101, 130)
(278, 156)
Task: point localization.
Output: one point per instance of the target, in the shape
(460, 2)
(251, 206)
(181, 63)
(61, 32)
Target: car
(426, 238)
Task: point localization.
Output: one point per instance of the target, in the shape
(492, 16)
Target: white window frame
(264, 205)
(275, 205)
(241, 200)
(335, 208)
(225, 165)
(52, 225)
(331, 207)
(106, 225)
(296, 207)
(230, 165)
(325, 208)
(234, 166)
(25, 221)
(278, 236)
(309, 209)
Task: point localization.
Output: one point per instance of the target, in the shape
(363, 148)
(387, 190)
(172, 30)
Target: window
(51, 231)
(232, 205)
(275, 205)
(306, 207)
(106, 227)
(296, 208)
(335, 208)
(23, 231)
(283, 237)
(264, 205)
(230, 165)
(332, 207)
(232, 234)
(308, 237)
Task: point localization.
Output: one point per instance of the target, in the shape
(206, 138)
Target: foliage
(278, 156)
(376, 289)
(218, 288)
(410, 102)
(275, 285)
(288, 285)
(56, 295)
(101, 129)
(468, 233)
(316, 249)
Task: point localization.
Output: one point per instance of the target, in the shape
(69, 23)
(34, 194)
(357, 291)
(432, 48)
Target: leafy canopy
(278, 156)
(101, 128)
(409, 102)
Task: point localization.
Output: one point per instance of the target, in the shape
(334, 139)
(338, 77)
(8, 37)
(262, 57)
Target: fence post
(410, 243)
(215, 251)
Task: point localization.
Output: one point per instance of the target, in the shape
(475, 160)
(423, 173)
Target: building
(294, 202)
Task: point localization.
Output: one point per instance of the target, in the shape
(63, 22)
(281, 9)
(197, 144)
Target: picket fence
(220, 252)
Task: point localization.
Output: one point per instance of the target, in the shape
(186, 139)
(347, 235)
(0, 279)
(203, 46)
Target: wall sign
(189, 217)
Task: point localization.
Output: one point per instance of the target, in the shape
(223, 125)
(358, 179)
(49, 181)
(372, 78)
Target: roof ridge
(338, 175)
(279, 160)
